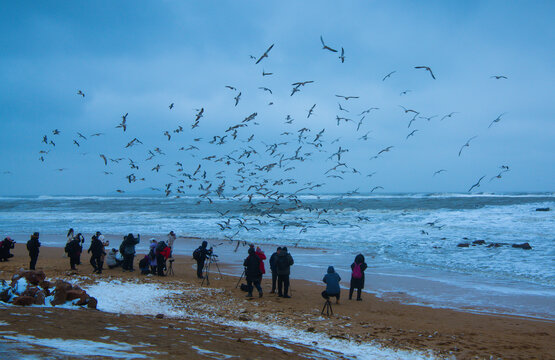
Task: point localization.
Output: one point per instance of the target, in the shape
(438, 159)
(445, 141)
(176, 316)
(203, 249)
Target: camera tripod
(327, 308)
(169, 269)
(211, 259)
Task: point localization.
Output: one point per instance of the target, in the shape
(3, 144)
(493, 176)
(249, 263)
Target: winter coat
(152, 254)
(283, 263)
(96, 248)
(332, 280)
(171, 239)
(144, 264)
(252, 267)
(127, 246)
(358, 283)
(33, 246)
(262, 257)
(273, 262)
(111, 258)
(74, 248)
(165, 253)
(204, 252)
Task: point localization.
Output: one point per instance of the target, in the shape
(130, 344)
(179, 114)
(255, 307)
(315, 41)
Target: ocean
(408, 236)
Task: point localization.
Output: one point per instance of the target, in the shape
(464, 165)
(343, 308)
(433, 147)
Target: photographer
(163, 252)
(97, 250)
(127, 250)
(332, 279)
(283, 266)
(200, 255)
(73, 250)
(112, 259)
(33, 246)
(5, 247)
(253, 274)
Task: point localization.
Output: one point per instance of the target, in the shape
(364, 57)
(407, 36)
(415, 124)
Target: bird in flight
(388, 75)
(477, 184)
(97, 134)
(237, 99)
(311, 110)
(81, 135)
(385, 150)
(104, 158)
(266, 73)
(231, 87)
(408, 110)
(79, 92)
(171, 106)
(412, 133)
(467, 144)
(76, 143)
(265, 54)
(439, 172)
(341, 108)
(55, 132)
(342, 56)
(497, 77)
(426, 68)
(404, 92)
(496, 120)
(266, 89)
(123, 122)
(347, 97)
(448, 115)
(325, 47)
(376, 188)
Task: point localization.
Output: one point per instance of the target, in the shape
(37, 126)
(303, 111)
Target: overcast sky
(139, 57)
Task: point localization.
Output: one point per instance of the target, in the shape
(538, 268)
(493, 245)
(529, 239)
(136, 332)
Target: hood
(152, 245)
(331, 270)
(204, 244)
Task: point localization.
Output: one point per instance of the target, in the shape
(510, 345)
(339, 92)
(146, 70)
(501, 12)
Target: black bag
(160, 247)
(67, 248)
(197, 253)
(244, 287)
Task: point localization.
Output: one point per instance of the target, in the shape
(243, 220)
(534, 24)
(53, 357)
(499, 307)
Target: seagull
(325, 47)
(367, 111)
(385, 150)
(428, 118)
(341, 108)
(311, 110)
(497, 77)
(104, 158)
(79, 92)
(408, 110)
(404, 92)
(342, 56)
(347, 97)
(237, 99)
(376, 188)
(360, 122)
(498, 176)
(477, 184)
(55, 132)
(498, 119)
(97, 134)
(45, 139)
(428, 69)
(81, 136)
(231, 87)
(76, 143)
(439, 172)
(265, 54)
(266, 89)
(467, 144)
(448, 115)
(266, 73)
(412, 133)
(168, 135)
(171, 106)
(388, 75)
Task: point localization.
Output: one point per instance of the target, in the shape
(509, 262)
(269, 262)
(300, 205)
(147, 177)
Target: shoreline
(389, 323)
(411, 286)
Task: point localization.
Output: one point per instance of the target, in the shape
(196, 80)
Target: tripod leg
(241, 278)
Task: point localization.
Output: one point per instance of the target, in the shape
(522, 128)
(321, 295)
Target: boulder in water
(463, 245)
(543, 209)
(524, 246)
(478, 242)
(496, 245)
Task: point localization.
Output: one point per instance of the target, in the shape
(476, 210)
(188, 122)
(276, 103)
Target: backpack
(160, 247)
(197, 253)
(67, 248)
(357, 273)
(282, 262)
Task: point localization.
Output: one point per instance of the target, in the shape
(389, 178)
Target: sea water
(407, 254)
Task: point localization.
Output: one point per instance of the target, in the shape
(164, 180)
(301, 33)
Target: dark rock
(74, 294)
(463, 245)
(5, 294)
(244, 317)
(524, 246)
(496, 245)
(60, 294)
(159, 316)
(33, 277)
(40, 297)
(30, 291)
(92, 303)
(543, 209)
(478, 242)
(23, 300)
(83, 300)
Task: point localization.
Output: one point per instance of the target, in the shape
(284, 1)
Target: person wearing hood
(171, 240)
(253, 274)
(112, 259)
(5, 247)
(127, 250)
(97, 250)
(332, 279)
(152, 255)
(163, 252)
(73, 250)
(144, 265)
(273, 269)
(33, 246)
(357, 276)
(283, 267)
(200, 255)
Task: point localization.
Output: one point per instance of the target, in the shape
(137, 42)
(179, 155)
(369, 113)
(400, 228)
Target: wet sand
(445, 332)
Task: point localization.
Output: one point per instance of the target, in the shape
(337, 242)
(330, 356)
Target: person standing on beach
(163, 252)
(33, 246)
(152, 255)
(332, 279)
(200, 255)
(283, 265)
(97, 250)
(273, 268)
(127, 250)
(73, 250)
(171, 239)
(262, 257)
(357, 276)
(70, 235)
(252, 272)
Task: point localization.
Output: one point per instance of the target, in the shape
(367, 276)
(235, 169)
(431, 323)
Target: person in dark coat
(163, 252)
(204, 254)
(252, 272)
(357, 276)
(144, 265)
(332, 280)
(127, 250)
(33, 246)
(5, 247)
(273, 269)
(73, 250)
(97, 250)
(283, 267)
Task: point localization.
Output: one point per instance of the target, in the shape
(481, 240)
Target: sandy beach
(219, 307)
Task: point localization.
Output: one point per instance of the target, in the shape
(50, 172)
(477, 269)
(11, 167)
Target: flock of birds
(254, 171)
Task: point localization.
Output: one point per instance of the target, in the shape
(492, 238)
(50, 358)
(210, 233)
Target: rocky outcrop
(524, 246)
(463, 245)
(478, 242)
(31, 288)
(543, 209)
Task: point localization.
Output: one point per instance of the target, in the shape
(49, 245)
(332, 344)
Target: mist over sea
(391, 230)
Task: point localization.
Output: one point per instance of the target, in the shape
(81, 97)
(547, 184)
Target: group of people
(332, 279)
(159, 252)
(5, 246)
